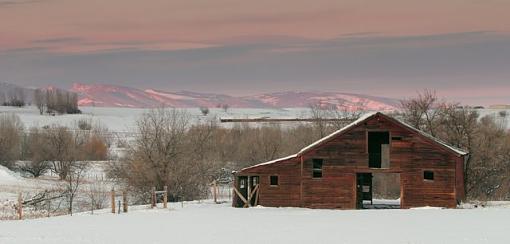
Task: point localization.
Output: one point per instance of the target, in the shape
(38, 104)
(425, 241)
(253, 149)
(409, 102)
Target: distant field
(124, 119)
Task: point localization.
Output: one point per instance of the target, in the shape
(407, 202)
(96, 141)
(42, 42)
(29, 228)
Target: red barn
(337, 171)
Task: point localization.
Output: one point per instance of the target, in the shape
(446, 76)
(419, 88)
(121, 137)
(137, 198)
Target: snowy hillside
(121, 96)
(207, 222)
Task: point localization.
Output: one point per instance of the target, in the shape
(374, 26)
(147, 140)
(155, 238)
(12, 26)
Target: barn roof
(362, 119)
(370, 115)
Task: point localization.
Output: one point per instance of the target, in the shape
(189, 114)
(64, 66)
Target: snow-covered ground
(124, 119)
(219, 223)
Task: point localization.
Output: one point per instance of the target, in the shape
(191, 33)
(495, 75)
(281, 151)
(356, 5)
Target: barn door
(363, 189)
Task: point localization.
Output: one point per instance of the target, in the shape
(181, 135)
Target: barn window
(317, 168)
(428, 175)
(396, 138)
(242, 184)
(273, 179)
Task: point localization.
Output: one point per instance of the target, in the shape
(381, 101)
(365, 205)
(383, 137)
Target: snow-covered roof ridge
(370, 114)
(272, 161)
(326, 138)
(435, 139)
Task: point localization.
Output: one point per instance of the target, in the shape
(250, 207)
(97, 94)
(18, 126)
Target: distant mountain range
(101, 95)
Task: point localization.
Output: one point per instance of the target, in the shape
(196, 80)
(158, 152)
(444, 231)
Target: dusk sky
(461, 48)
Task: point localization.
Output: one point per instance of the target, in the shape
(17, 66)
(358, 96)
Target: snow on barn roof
(326, 138)
(272, 161)
(355, 123)
(441, 142)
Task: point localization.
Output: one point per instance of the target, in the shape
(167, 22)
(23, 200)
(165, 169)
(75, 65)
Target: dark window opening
(273, 179)
(242, 184)
(396, 138)
(317, 168)
(378, 149)
(428, 175)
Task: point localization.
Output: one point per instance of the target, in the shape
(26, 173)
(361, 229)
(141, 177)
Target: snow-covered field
(207, 222)
(124, 119)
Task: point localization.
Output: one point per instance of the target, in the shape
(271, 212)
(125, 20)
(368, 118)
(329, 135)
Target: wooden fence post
(20, 206)
(113, 200)
(215, 192)
(153, 197)
(165, 197)
(124, 201)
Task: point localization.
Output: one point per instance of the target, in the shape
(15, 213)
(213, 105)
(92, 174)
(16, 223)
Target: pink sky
(174, 24)
(378, 47)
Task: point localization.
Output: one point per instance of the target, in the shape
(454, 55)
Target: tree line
(53, 101)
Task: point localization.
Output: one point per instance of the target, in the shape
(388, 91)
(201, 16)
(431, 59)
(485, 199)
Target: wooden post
(113, 200)
(124, 201)
(153, 197)
(214, 192)
(249, 191)
(20, 206)
(165, 197)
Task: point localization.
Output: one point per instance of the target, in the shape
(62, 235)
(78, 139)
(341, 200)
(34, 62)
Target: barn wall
(287, 193)
(410, 156)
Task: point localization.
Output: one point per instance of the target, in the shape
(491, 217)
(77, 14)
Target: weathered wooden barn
(336, 171)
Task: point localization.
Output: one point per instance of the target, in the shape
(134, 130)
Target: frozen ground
(212, 223)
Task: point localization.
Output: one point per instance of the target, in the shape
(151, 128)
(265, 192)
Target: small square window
(428, 175)
(396, 138)
(317, 168)
(273, 179)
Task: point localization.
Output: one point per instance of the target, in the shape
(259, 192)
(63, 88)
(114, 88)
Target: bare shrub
(11, 129)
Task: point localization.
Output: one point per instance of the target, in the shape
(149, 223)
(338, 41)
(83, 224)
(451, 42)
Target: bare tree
(159, 150)
(422, 112)
(73, 180)
(40, 100)
(35, 145)
(11, 129)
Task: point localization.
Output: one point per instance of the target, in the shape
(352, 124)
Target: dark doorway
(363, 189)
(378, 149)
(242, 187)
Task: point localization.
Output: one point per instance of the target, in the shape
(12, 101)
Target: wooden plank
(240, 196)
